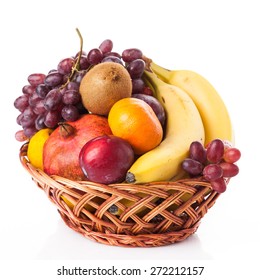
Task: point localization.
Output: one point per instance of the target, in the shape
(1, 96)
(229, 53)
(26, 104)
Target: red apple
(106, 159)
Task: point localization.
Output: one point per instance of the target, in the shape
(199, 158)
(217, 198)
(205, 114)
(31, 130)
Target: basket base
(128, 240)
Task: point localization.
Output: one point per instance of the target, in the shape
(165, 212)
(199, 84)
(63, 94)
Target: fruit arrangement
(132, 154)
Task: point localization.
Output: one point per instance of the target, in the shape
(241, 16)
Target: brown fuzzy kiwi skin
(103, 85)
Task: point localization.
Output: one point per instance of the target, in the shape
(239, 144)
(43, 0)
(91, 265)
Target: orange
(135, 121)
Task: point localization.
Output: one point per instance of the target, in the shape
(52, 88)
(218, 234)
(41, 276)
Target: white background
(218, 39)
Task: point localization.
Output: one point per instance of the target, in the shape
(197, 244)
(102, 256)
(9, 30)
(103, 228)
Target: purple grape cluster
(49, 99)
(53, 98)
(215, 164)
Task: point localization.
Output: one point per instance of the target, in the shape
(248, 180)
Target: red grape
(106, 46)
(95, 56)
(219, 185)
(231, 155)
(52, 118)
(192, 166)
(21, 102)
(54, 79)
(137, 85)
(70, 113)
(212, 172)
(71, 97)
(19, 118)
(42, 90)
(83, 62)
(215, 151)
(129, 55)
(112, 54)
(52, 100)
(39, 107)
(78, 76)
(39, 122)
(28, 89)
(28, 117)
(73, 86)
(136, 68)
(82, 53)
(65, 66)
(229, 169)
(34, 99)
(30, 131)
(20, 136)
(112, 59)
(198, 152)
(36, 79)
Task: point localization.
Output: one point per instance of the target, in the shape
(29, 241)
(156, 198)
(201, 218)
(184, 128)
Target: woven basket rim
(36, 171)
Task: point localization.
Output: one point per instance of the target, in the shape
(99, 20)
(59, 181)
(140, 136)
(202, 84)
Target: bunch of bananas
(195, 112)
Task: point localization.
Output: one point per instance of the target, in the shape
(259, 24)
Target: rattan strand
(156, 214)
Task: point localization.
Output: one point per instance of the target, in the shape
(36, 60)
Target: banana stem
(163, 73)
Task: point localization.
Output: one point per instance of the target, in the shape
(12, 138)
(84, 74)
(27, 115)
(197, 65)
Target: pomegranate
(61, 150)
(106, 159)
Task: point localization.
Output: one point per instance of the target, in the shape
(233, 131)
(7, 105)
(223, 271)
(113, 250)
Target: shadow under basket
(130, 215)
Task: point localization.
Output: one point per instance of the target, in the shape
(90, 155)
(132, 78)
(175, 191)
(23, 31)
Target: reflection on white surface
(66, 244)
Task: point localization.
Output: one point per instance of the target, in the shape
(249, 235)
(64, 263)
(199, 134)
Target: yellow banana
(183, 126)
(214, 114)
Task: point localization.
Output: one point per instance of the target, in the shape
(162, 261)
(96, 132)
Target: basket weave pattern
(155, 214)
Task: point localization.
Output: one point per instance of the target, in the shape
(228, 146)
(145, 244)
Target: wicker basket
(155, 214)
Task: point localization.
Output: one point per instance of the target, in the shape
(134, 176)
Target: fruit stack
(130, 153)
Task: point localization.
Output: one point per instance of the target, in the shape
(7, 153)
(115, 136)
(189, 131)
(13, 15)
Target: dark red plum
(154, 104)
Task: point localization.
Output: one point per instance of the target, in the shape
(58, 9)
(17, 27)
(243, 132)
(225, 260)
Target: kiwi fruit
(103, 85)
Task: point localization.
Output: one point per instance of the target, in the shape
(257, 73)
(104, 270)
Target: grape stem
(76, 66)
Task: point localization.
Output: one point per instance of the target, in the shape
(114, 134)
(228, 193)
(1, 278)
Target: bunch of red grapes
(216, 163)
(53, 98)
